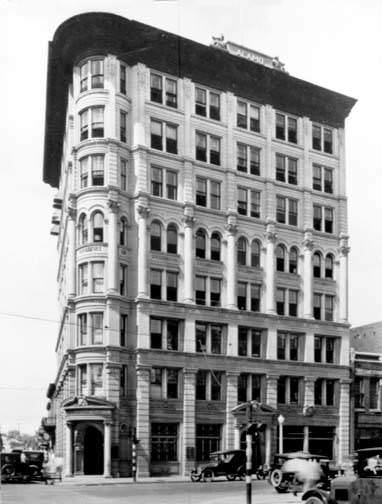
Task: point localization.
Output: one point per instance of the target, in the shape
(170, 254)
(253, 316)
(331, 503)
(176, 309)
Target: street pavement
(166, 492)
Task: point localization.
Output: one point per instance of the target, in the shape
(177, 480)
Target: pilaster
(271, 393)
(188, 223)
(343, 287)
(308, 274)
(270, 270)
(142, 215)
(231, 402)
(231, 268)
(143, 421)
(113, 254)
(309, 382)
(343, 421)
(188, 449)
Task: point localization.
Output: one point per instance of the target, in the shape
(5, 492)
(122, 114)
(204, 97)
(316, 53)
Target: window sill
(166, 108)
(90, 92)
(259, 134)
(322, 153)
(222, 124)
(288, 144)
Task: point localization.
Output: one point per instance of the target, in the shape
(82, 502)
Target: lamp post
(281, 421)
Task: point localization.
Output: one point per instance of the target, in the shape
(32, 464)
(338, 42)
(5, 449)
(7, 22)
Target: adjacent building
(201, 229)
(366, 357)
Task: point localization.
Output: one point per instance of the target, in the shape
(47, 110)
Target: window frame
(247, 116)
(165, 139)
(207, 154)
(166, 98)
(286, 132)
(206, 104)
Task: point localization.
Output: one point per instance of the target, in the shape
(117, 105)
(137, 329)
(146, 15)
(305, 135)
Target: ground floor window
(321, 441)
(208, 439)
(164, 442)
(293, 438)
(366, 437)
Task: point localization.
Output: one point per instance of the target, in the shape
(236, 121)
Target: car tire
(207, 476)
(276, 478)
(7, 470)
(314, 500)
(231, 477)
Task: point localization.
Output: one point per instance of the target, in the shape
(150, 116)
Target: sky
(332, 43)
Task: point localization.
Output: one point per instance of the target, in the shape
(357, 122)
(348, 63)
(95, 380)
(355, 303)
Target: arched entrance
(93, 450)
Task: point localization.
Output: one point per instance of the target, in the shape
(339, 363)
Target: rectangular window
(248, 159)
(286, 128)
(96, 379)
(156, 284)
(164, 136)
(201, 337)
(255, 335)
(123, 279)
(156, 383)
(83, 279)
(207, 101)
(281, 209)
(82, 329)
(123, 330)
(208, 193)
(171, 185)
(96, 71)
(280, 301)
(215, 195)
(122, 79)
(255, 204)
(84, 125)
(164, 442)
(292, 130)
(171, 93)
(317, 217)
(172, 335)
(84, 77)
(123, 380)
(281, 346)
(255, 297)
(201, 385)
(207, 148)
(208, 440)
(292, 302)
(215, 291)
(97, 122)
(156, 181)
(172, 384)
(242, 387)
(123, 174)
(216, 385)
(122, 125)
(84, 172)
(359, 395)
(294, 389)
(242, 341)
(316, 137)
(322, 179)
(245, 110)
(328, 141)
(216, 339)
(328, 223)
(318, 343)
(242, 203)
(96, 321)
(156, 88)
(318, 391)
(329, 350)
(200, 290)
(317, 300)
(171, 286)
(292, 212)
(374, 393)
(155, 333)
(282, 390)
(98, 277)
(280, 126)
(323, 224)
(322, 139)
(330, 391)
(171, 139)
(286, 210)
(97, 167)
(82, 383)
(214, 150)
(329, 308)
(201, 192)
(242, 296)
(317, 178)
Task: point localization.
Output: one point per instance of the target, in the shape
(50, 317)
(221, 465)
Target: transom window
(322, 138)
(163, 90)
(164, 136)
(207, 148)
(164, 183)
(286, 169)
(248, 159)
(91, 123)
(286, 210)
(92, 75)
(207, 103)
(247, 116)
(286, 128)
(323, 179)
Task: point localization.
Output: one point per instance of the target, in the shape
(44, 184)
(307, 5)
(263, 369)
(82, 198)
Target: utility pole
(248, 438)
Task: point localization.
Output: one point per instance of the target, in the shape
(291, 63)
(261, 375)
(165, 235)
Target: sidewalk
(100, 480)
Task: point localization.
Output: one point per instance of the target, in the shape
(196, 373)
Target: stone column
(308, 392)
(343, 421)
(188, 222)
(306, 438)
(72, 251)
(138, 97)
(270, 270)
(107, 450)
(271, 393)
(231, 402)
(308, 274)
(69, 449)
(231, 269)
(236, 433)
(113, 255)
(143, 213)
(143, 421)
(268, 445)
(343, 287)
(188, 449)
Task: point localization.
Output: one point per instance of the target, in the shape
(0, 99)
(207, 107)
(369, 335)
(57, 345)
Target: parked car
(230, 463)
(283, 479)
(362, 487)
(35, 461)
(14, 469)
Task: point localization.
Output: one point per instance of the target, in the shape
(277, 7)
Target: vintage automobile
(284, 479)
(230, 463)
(13, 469)
(35, 461)
(363, 486)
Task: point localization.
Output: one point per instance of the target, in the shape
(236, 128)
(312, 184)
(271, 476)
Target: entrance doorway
(258, 447)
(93, 451)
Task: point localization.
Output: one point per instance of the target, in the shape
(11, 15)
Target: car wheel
(195, 478)
(242, 475)
(276, 478)
(7, 470)
(231, 477)
(207, 476)
(314, 500)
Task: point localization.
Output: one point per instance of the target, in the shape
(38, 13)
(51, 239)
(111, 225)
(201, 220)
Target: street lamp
(281, 421)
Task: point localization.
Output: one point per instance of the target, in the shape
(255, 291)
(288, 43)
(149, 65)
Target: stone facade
(189, 239)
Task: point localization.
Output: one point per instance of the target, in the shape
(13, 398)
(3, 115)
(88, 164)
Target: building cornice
(133, 42)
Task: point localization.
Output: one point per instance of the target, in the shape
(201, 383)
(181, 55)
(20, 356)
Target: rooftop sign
(249, 54)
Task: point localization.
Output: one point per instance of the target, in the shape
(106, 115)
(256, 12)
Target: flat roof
(133, 42)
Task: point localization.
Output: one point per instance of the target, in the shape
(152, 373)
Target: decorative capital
(270, 231)
(309, 379)
(231, 225)
(271, 378)
(143, 211)
(113, 205)
(190, 371)
(308, 242)
(344, 248)
(72, 212)
(188, 216)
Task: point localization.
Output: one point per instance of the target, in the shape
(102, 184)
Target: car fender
(316, 492)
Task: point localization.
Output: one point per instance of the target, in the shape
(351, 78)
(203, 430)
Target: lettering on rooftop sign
(249, 54)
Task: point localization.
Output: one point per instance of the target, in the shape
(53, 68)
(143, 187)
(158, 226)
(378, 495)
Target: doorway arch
(93, 450)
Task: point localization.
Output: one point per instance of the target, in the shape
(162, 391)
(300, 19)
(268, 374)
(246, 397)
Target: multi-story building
(202, 242)
(366, 406)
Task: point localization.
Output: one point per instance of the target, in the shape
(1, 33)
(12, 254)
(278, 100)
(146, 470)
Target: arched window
(280, 258)
(293, 257)
(83, 229)
(200, 245)
(317, 265)
(215, 247)
(255, 254)
(242, 251)
(98, 227)
(123, 231)
(329, 266)
(172, 239)
(155, 236)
